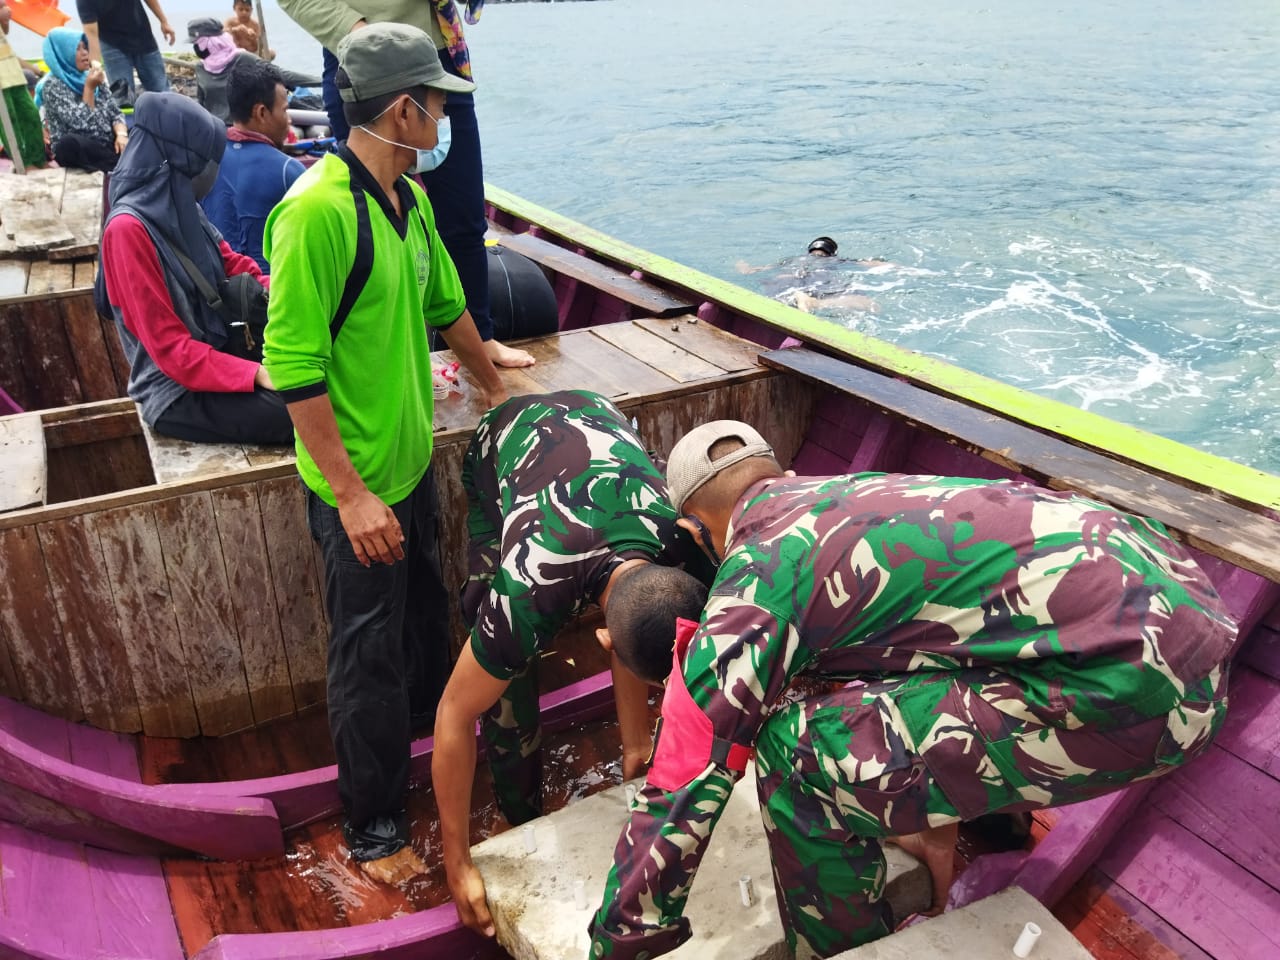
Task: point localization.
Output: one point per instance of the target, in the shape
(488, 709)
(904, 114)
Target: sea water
(1081, 199)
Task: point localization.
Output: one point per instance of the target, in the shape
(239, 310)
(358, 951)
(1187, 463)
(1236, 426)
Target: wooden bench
(23, 465)
(1201, 519)
(174, 461)
(646, 298)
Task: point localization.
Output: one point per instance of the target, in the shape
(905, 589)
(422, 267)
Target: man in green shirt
(358, 274)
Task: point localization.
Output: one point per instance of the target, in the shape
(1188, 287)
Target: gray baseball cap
(386, 57)
(690, 464)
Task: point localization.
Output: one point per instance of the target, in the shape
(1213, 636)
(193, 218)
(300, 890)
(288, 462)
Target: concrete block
(987, 929)
(538, 916)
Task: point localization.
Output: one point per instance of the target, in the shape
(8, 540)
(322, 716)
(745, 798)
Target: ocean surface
(1081, 199)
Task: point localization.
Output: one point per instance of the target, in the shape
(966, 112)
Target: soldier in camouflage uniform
(1021, 648)
(564, 503)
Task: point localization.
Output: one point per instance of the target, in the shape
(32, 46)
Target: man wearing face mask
(358, 275)
(186, 386)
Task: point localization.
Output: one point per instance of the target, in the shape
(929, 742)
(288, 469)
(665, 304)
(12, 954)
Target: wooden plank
(81, 587)
(260, 456)
(37, 918)
(244, 549)
(704, 340)
(174, 460)
(75, 251)
(88, 349)
(1202, 520)
(1112, 924)
(1263, 652)
(296, 583)
(119, 362)
(23, 466)
(13, 277)
(15, 377)
(663, 355)
(610, 280)
(204, 607)
(32, 634)
(558, 369)
(84, 273)
(1215, 903)
(1216, 797)
(47, 277)
(1083, 831)
(447, 463)
(140, 589)
(629, 375)
(131, 907)
(1252, 729)
(44, 349)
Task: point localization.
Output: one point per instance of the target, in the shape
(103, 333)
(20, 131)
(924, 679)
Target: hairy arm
(471, 690)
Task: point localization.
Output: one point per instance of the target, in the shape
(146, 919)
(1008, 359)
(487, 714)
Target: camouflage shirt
(1098, 617)
(560, 491)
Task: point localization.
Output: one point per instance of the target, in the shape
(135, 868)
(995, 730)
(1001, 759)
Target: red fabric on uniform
(686, 739)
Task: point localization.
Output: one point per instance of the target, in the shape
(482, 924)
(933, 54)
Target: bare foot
(402, 865)
(936, 847)
(504, 356)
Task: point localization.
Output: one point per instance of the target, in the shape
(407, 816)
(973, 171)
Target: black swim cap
(824, 245)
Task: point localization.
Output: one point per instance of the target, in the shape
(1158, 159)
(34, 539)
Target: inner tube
(521, 301)
(308, 118)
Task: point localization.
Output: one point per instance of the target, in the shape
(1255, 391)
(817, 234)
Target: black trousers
(388, 663)
(258, 417)
(85, 153)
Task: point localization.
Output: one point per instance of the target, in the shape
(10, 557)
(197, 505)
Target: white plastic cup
(630, 791)
(1026, 940)
(580, 894)
(530, 841)
(746, 891)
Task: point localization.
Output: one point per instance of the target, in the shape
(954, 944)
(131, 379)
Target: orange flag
(38, 16)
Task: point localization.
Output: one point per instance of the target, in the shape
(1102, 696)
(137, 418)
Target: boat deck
(50, 221)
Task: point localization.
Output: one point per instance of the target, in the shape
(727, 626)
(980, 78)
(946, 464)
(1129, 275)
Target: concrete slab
(540, 916)
(988, 928)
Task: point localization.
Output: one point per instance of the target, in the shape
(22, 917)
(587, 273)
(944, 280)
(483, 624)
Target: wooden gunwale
(1253, 489)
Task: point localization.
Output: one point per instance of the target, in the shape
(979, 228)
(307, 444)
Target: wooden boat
(167, 591)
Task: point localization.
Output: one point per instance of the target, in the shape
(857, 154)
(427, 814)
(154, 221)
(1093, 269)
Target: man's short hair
(251, 82)
(641, 615)
(360, 112)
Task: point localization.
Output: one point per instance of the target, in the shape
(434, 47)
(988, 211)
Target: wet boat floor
(315, 885)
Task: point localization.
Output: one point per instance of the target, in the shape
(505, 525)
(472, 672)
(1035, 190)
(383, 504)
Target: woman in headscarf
(86, 127)
(185, 384)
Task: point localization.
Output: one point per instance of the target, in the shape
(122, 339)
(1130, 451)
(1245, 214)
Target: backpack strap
(362, 265)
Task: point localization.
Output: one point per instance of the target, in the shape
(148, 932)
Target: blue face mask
(427, 160)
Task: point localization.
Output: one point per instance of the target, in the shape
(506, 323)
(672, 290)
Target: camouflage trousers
(837, 772)
(512, 732)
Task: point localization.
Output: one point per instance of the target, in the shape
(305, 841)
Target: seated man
(155, 238)
(1021, 647)
(564, 505)
(254, 174)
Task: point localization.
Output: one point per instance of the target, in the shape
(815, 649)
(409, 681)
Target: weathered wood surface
(54, 348)
(23, 465)
(645, 297)
(49, 209)
(196, 605)
(1222, 529)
